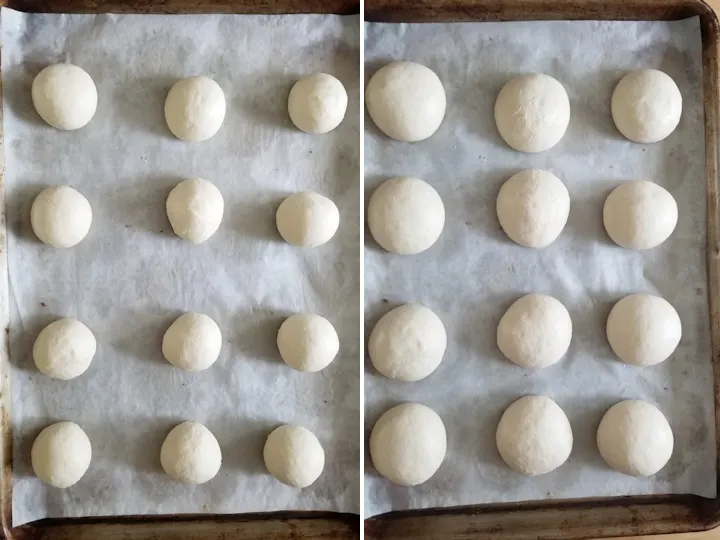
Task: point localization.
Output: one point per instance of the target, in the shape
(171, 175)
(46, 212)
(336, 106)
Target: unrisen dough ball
(640, 215)
(60, 216)
(64, 349)
(307, 342)
(195, 209)
(406, 215)
(408, 444)
(192, 342)
(195, 108)
(635, 438)
(406, 101)
(191, 453)
(307, 219)
(64, 96)
(407, 343)
(61, 454)
(646, 105)
(317, 103)
(294, 455)
(532, 112)
(534, 435)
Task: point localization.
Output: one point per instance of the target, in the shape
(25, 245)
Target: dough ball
(307, 219)
(195, 108)
(61, 454)
(190, 453)
(64, 96)
(640, 215)
(406, 215)
(195, 209)
(646, 105)
(535, 331)
(533, 207)
(192, 342)
(60, 216)
(534, 435)
(408, 444)
(406, 101)
(317, 103)
(635, 438)
(408, 343)
(294, 455)
(643, 330)
(64, 349)
(307, 342)
(532, 112)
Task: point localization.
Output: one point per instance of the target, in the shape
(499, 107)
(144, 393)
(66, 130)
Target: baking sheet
(474, 272)
(131, 276)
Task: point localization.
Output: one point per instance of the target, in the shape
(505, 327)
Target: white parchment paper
(131, 276)
(474, 272)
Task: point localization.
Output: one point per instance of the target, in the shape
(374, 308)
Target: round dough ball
(60, 216)
(64, 349)
(190, 453)
(635, 438)
(640, 215)
(195, 108)
(317, 103)
(408, 444)
(534, 435)
(195, 209)
(406, 215)
(307, 342)
(646, 105)
(307, 219)
(294, 455)
(532, 112)
(533, 207)
(408, 343)
(535, 331)
(192, 342)
(406, 101)
(64, 96)
(61, 454)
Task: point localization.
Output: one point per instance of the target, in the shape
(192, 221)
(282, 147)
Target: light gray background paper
(131, 276)
(474, 272)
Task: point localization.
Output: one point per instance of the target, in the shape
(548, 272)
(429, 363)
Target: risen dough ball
(64, 349)
(640, 215)
(64, 96)
(307, 342)
(307, 219)
(635, 438)
(60, 216)
(532, 112)
(61, 454)
(192, 342)
(294, 455)
(190, 453)
(317, 103)
(195, 108)
(408, 444)
(406, 101)
(195, 209)
(408, 343)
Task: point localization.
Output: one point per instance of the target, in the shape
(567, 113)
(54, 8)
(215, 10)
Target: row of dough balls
(408, 443)
(406, 101)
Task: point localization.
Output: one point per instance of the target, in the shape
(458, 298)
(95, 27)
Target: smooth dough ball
(64, 96)
(307, 219)
(60, 216)
(646, 105)
(307, 342)
(64, 349)
(317, 103)
(294, 455)
(406, 101)
(61, 454)
(635, 438)
(535, 331)
(192, 342)
(408, 444)
(408, 343)
(533, 207)
(195, 209)
(406, 215)
(640, 215)
(534, 435)
(195, 108)
(532, 112)
(190, 453)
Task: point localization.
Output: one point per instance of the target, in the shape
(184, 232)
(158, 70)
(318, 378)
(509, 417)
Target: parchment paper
(474, 272)
(131, 276)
